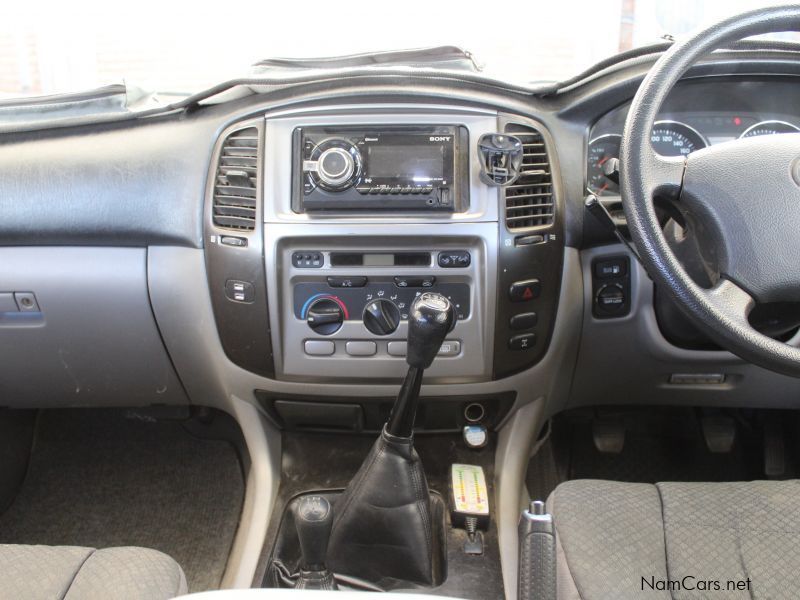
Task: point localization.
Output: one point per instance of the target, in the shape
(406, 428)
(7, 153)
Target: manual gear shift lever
(430, 319)
(384, 526)
(313, 518)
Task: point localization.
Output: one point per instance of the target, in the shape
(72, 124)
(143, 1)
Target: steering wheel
(740, 199)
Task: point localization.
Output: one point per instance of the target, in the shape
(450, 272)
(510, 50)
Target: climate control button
(381, 317)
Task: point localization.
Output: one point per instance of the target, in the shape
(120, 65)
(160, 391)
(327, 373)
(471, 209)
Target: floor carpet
(104, 478)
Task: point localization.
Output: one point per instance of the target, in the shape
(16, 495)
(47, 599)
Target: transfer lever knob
(313, 518)
(430, 319)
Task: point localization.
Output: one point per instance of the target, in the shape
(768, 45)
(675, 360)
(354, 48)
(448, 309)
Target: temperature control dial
(381, 317)
(325, 316)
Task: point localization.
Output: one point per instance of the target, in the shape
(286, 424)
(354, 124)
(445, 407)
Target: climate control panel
(380, 303)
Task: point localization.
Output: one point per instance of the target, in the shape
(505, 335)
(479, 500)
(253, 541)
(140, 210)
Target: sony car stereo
(397, 168)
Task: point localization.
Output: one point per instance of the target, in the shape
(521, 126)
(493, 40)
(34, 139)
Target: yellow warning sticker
(469, 489)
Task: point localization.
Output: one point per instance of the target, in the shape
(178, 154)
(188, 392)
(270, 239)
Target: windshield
(58, 47)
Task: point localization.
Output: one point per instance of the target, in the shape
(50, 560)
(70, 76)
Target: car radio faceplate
(379, 168)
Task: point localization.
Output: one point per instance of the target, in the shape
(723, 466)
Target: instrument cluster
(677, 134)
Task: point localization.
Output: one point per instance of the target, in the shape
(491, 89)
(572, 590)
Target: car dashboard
(261, 249)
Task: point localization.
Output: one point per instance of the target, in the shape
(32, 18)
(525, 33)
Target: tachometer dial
(769, 128)
(601, 150)
(671, 138)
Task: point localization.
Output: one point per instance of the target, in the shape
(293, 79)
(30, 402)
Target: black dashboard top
(141, 182)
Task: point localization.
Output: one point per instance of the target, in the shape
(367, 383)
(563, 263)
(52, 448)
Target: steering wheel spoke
(667, 174)
(731, 299)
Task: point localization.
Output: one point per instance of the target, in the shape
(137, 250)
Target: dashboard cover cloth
(615, 537)
(76, 573)
(382, 523)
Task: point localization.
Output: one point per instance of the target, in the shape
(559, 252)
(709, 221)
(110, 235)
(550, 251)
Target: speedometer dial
(769, 128)
(601, 150)
(671, 138)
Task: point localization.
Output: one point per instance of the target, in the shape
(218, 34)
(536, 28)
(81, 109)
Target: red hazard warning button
(523, 291)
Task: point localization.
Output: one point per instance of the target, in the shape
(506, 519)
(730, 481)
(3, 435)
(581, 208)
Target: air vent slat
(527, 186)
(529, 201)
(236, 181)
(543, 215)
(233, 211)
(234, 222)
(239, 161)
(234, 190)
(235, 201)
(548, 206)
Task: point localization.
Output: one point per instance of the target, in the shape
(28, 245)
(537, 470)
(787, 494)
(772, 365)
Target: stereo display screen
(413, 162)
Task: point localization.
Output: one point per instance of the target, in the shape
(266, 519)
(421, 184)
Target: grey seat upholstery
(76, 573)
(677, 540)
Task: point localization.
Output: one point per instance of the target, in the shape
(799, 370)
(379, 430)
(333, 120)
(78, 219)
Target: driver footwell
(664, 444)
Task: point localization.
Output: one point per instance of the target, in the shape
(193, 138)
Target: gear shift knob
(430, 319)
(313, 518)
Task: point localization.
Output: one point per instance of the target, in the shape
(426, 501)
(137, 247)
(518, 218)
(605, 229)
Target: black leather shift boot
(382, 526)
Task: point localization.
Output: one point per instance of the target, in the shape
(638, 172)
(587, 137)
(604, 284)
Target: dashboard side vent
(236, 182)
(529, 201)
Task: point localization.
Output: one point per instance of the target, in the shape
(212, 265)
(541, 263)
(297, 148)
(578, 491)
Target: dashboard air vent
(529, 200)
(236, 182)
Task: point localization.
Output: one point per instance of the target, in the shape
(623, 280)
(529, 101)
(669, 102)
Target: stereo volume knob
(325, 316)
(335, 167)
(381, 317)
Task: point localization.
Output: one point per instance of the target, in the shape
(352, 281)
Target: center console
(355, 212)
(323, 227)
